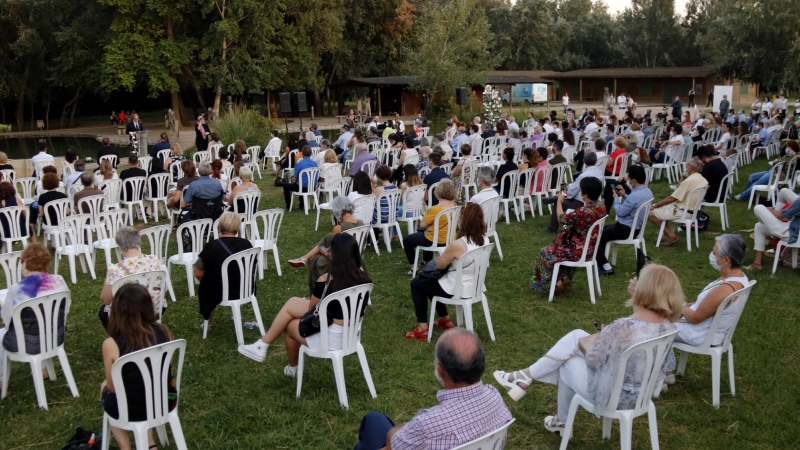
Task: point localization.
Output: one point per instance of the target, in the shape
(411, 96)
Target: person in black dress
(201, 132)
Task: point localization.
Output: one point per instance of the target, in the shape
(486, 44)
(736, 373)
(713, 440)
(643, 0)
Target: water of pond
(24, 148)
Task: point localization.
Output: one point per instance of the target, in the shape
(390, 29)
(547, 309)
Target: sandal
(669, 242)
(562, 285)
(299, 262)
(418, 334)
(552, 425)
(515, 391)
(444, 324)
(752, 268)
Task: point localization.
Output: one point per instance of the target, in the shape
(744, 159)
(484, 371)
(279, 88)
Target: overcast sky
(615, 6)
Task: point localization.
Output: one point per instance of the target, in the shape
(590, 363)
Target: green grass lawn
(228, 401)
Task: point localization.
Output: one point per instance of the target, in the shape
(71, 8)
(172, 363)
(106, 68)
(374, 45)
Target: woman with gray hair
(133, 262)
(246, 185)
(695, 323)
(318, 259)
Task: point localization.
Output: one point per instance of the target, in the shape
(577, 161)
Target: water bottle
(251, 325)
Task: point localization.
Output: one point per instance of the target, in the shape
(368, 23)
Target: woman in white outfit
(589, 366)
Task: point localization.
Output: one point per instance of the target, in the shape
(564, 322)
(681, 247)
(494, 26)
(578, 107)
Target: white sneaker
(257, 351)
(290, 371)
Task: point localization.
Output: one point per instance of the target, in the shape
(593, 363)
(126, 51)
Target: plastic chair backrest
(146, 163)
(374, 146)
(392, 197)
(201, 156)
(601, 162)
(594, 234)
(432, 193)
(366, 205)
(271, 219)
(91, 204)
(13, 215)
(198, 234)
(291, 160)
(331, 174)
(158, 239)
(479, 259)
(214, 150)
(309, 177)
(8, 175)
(57, 208)
(273, 149)
(134, 185)
(789, 172)
(163, 155)
(154, 281)
(360, 233)
(245, 262)
(47, 310)
(413, 201)
(38, 166)
(491, 212)
(27, 185)
(162, 181)
(231, 148)
(510, 182)
(227, 171)
(452, 215)
(109, 223)
(154, 365)
(423, 172)
(72, 231)
(540, 177)
(700, 193)
(253, 152)
(742, 295)
(175, 168)
(648, 171)
(469, 172)
(112, 189)
(369, 167)
(495, 440)
(12, 267)
(411, 160)
(352, 300)
(67, 169)
(655, 352)
(110, 158)
(620, 164)
(641, 211)
(250, 200)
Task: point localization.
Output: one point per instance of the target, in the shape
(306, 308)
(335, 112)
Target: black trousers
(608, 193)
(710, 101)
(414, 240)
(288, 188)
(567, 204)
(691, 101)
(422, 291)
(611, 233)
(578, 158)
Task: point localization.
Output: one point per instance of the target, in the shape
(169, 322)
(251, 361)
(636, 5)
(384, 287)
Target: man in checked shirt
(467, 409)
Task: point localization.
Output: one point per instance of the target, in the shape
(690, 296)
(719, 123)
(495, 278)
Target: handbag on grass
(430, 272)
(309, 322)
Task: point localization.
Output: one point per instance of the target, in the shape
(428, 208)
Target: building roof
(638, 72)
(494, 77)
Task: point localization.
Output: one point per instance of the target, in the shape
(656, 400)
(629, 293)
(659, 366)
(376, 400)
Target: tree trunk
(33, 114)
(72, 114)
(328, 100)
(200, 98)
(317, 103)
(21, 97)
(68, 105)
(2, 112)
(46, 107)
(217, 100)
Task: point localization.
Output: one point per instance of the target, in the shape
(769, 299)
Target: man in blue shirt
(158, 164)
(294, 186)
(340, 146)
(761, 139)
(771, 223)
(205, 194)
(460, 138)
(362, 156)
(626, 206)
(436, 174)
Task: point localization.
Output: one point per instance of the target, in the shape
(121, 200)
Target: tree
(454, 48)
(521, 46)
(646, 31)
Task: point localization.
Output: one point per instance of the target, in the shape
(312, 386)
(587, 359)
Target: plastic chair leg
(338, 373)
(177, 431)
(607, 427)
(205, 328)
(731, 378)
(38, 382)
(71, 257)
(590, 276)
(497, 245)
(399, 234)
(237, 322)
(660, 233)
(416, 261)
(162, 435)
(51, 369)
(625, 432)
(716, 368)
(106, 433)
(387, 240)
(362, 358)
(430, 321)
(168, 280)
(140, 436)
(300, 364)
(189, 278)
(62, 359)
(653, 423)
(488, 316)
(277, 261)
(316, 224)
(597, 279)
(567, 433)
(553, 282)
(682, 362)
(468, 322)
(257, 312)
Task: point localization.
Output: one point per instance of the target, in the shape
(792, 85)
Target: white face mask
(634, 157)
(713, 261)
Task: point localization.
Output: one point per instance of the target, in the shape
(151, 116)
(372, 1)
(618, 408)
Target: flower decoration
(492, 104)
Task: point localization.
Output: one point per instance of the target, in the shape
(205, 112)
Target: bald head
(460, 353)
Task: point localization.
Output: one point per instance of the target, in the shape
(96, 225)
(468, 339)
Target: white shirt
(42, 157)
(548, 128)
(589, 128)
(768, 106)
(513, 126)
(756, 106)
(622, 102)
(484, 195)
(797, 105)
(565, 100)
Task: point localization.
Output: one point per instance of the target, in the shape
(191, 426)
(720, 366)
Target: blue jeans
(372, 433)
(660, 159)
(756, 178)
(344, 156)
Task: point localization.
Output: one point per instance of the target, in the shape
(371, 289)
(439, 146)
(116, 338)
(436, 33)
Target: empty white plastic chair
(586, 261)
(267, 240)
(197, 232)
(463, 299)
(158, 242)
(739, 300)
(154, 365)
(491, 211)
(688, 218)
(154, 281)
(392, 199)
(26, 187)
(496, 440)
(771, 188)
(352, 302)
(108, 223)
(12, 268)
(157, 192)
(307, 181)
(451, 215)
(133, 195)
(655, 352)
(637, 240)
(48, 310)
(245, 263)
(71, 242)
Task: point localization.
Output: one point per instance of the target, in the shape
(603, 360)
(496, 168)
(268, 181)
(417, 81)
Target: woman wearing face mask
(693, 326)
(762, 178)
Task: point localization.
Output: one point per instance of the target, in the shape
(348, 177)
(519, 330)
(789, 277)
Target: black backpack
(80, 441)
(702, 221)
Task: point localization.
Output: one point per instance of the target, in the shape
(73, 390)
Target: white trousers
(769, 225)
(565, 366)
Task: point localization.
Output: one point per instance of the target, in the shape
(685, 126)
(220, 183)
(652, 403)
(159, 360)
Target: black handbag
(309, 322)
(430, 272)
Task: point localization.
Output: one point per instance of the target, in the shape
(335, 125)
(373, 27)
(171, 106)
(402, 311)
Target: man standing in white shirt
(42, 157)
(622, 102)
(565, 101)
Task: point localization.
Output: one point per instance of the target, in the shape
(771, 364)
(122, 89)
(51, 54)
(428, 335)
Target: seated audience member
(507, 166)
(625, 202)
(318, 259)
(204, 189)
(589, 369)
(246, 185)
(294, 184)
(568, 246)
(79, 166)
(613, 168)
(558, 157)
(362, 185)
(781, 222)
(674, 142)
(133, 262)
(362, 156)
(8, 198)
(50, 183)
(132, 327)
(108, 149)
(89, 189)
(763, 178)
(672, 207)
(189, 176)
(446, 193)
(485, 179)
(37, 282)
(436, 175)
(208, 268)
(105, 172)
(471, 235)
(574, 198)
(714, 171)
(346, 271)
(461, 167)
(411, 179)
(695, 322)
(133, 169)
(467, 409)
(382, 174)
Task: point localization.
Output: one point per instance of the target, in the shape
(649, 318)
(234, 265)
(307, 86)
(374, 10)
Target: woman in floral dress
(462, 167)
(568, 245)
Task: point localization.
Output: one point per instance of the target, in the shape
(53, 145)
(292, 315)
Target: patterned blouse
(132, 266)
(581, 220)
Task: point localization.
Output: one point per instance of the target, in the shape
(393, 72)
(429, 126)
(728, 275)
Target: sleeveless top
(695, 334)
(448, 281)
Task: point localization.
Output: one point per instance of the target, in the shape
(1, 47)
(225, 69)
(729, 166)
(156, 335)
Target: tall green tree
(527, 34)
(454, 47)
(646, 31)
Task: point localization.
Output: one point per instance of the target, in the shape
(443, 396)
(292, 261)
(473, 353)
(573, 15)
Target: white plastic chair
(339, 187)
(162, 155)
(366, 206)
(154, 365)
(245, 262)
(108, 224)
(92, 205)
(113, 191)
(12, 268)
(54, 209)
(510, 181)
(198, 235)
(214, 150)
(310, 177)
(586, 261)
(245, 204)
(369, 167)
(619, 166)
(48, 312)
(672, 159)
(26, 186)
(411, 206)
(136, 187)
(71, 242)
(352, 302)
(268, 240)
(360, 234)
(176, 170)
(469, 173)
(655, 352)
(110, 158)
(452, 215)
(496, 440)
(688, 218)
(715, 352)
(637, 241)
(491, 211)
(722, 198)
(273, 152)
(158, 182)
(18, 230)
(253, 152)
(8, 175)
(559, 172)
(146, 163)
(463, 300)
(158, 240)
(38, 166)
(392, 197)
(201, 156)
(150, 281)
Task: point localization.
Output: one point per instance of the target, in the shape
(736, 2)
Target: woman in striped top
(383, 173)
